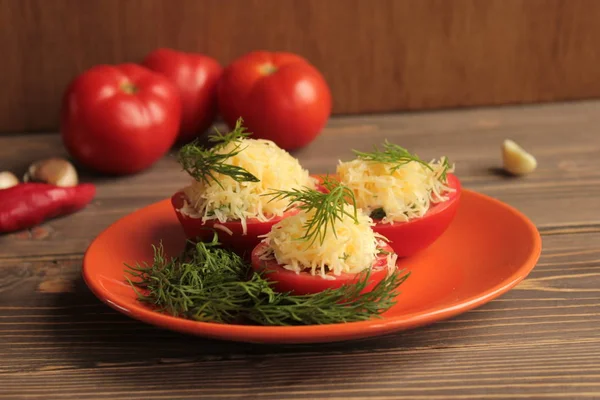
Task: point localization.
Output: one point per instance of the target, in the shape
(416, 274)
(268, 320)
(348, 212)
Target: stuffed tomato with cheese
(312, 251)
(412, 202)
(229, 192)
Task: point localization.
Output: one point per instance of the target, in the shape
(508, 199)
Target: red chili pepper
(29, 204)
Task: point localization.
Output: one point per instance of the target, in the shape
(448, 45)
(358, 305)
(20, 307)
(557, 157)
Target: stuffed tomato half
(412, 202)
(327, 244)
(230, 190)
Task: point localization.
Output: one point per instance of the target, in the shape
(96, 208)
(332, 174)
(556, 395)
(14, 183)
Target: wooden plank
(386, 55)
(540, 340)
(562, 193)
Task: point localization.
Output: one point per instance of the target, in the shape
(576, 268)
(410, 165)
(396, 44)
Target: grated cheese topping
(275, 168)
(351, 249)
(404, 194)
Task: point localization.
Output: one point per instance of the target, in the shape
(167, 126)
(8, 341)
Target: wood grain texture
(561, 193)
(383, 55)
(540, 340)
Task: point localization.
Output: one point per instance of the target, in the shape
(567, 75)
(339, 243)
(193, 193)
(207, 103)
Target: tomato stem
(129, 88)
(268, 69)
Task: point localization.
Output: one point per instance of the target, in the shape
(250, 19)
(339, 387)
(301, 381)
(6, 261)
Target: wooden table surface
(540, 340)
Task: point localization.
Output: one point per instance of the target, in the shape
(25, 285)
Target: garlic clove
(55, 171)
(516, 160)
(8, 180)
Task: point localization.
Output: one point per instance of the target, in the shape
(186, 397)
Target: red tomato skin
(110, 130)
(196, 230)
(196, 77)
(303, 283)
(409, 238)
(280, 96)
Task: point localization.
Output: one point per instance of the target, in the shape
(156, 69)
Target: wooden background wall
(378, 55)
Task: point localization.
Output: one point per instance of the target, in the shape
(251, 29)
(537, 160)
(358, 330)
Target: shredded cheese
(223, 228)
(274, 167)
(404, 194)
(351, 249)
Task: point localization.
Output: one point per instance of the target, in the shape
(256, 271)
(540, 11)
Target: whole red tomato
(119, 119)
(196, 77)
(280, 96)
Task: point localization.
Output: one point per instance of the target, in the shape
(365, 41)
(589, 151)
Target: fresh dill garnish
(445, 168)
(344, 304)
(204, 283)
(398, 156)
(327, 206)
(208, 283)
(239, 132)
(391, 154)
(203, 163)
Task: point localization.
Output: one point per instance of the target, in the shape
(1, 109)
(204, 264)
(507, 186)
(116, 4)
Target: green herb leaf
(446, 167)
(239, 132)
(344, 304)
(211, 284)
(204, 283)
(204, 163)
(328, 207)
(391, 154)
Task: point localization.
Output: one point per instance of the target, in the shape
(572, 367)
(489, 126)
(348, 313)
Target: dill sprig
(328, 207)
(445, 168)
(391, 154)
(208, 283)
(204, 163)
(344, 304)
(398, 156)
(203, 283)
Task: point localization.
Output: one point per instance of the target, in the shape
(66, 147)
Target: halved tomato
(231, 234)
(408, 238)
(284, 280)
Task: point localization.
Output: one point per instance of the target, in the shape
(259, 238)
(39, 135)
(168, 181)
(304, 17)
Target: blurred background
(376, 55)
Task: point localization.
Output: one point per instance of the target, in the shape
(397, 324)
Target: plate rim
(314, 333)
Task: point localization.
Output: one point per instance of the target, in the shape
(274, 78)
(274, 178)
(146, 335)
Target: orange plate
(488, 249)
